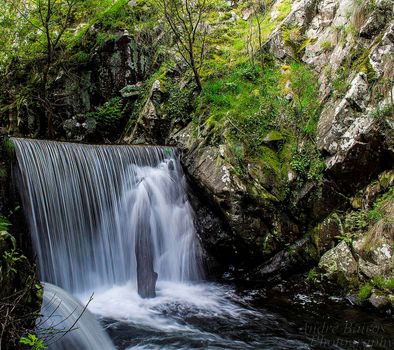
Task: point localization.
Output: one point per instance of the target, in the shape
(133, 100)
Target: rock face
(286, 262)
(338, 260)
(118, 63)
(346, 132)
(348, 44)
(151, 126)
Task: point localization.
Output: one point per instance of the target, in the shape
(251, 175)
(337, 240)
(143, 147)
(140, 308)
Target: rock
(287, 261)
(130, 91)
(326, 232)
(90, 125)
(378, 301)
(365, 198)
(374, 24)
(362, 146)
(276, 46)
(338, 260)
(220, 247)
(336, 119)
(382, 254)
(273, 137)
(358, 94)
(234, 17)
(247, 13)
(151, 127)
(368, 269)
(70, 127)
(381, 55)
(79, 127)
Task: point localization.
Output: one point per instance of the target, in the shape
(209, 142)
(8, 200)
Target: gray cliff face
(348, 44)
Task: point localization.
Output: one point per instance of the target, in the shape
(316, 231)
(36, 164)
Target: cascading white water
(94, 211)
(87, 205)
(65, 323)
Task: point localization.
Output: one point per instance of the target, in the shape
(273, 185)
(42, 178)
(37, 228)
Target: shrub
(109, 115)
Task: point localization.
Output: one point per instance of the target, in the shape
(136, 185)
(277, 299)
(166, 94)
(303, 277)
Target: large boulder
(339, 261)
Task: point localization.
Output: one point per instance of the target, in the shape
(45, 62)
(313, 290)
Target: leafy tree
(186, 19)
(38, 31)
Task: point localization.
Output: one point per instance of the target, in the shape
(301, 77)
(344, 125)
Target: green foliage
(341, 84)
(381, 113)
(346, 237)
(249, 104)
(356, 221)
(11, 259)
(80, 57)
(326, 45)
(293, 38)
(377, 212)
(365, 292)
(4, 224)
(180, 102)
(8, 146)
(109, 115)
(313, 275)
(385, 284)
(33, 342)
(307, 163)
(284, 9)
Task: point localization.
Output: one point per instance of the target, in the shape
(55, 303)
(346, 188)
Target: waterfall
(94, 210)
(65, 324)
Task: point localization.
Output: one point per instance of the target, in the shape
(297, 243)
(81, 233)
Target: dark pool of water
(224, 318)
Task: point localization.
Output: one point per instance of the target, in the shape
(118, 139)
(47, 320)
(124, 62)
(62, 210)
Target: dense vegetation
(87, 70)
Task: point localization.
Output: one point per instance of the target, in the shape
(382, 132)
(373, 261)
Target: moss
(313, 275)
(284, 9)
(384, 284)
(326, 45)
(365, 292)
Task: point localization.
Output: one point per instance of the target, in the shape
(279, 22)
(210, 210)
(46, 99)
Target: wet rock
(287, 261)
(220, 247)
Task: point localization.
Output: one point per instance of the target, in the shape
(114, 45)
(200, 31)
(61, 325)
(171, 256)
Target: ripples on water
(212, 316)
